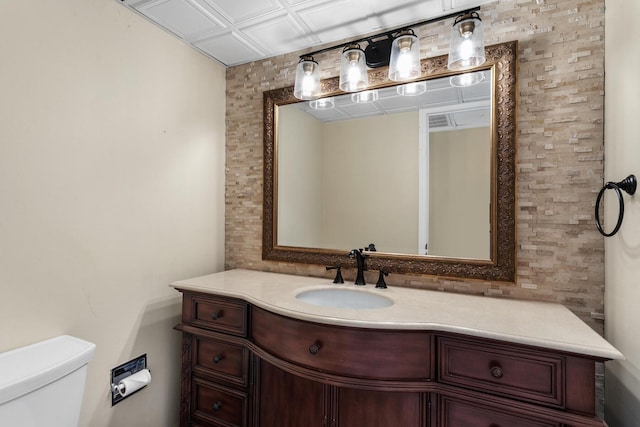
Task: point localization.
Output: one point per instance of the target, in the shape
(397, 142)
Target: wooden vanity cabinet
(246, 366)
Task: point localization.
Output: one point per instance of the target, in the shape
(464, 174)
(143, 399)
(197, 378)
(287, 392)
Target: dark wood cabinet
(244, 366)
(287, 400)
(357, 407)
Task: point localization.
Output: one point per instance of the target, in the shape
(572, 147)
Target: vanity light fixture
(307, 85)
(466, 49)
(404, 63)
(353, 71)
(399, 49)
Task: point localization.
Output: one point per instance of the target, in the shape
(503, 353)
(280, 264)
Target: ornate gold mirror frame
(502, 60)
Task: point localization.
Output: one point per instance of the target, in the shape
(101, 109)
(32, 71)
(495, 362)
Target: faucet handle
(338, 278)
(381, 283)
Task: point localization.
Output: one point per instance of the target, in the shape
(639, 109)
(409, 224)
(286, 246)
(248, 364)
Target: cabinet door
(286, 400)
(368, 408)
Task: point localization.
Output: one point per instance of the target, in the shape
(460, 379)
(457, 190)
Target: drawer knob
(218, 358)
(496, 371)
(216, 314)
(217, 406)
(314, 348)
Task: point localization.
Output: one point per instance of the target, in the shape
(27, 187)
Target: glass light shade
(412, 89)
(404, 63)
(466, 79)
(322, 104)
(364, 96)
(467, 43)
(353, 71)
(307, 85)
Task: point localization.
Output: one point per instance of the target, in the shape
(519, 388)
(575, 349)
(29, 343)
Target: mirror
(420, 163)
(430, 178)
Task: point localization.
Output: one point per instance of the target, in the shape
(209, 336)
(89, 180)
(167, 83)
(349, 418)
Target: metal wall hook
(628, 185)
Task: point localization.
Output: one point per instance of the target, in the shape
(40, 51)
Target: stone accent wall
(560, 153)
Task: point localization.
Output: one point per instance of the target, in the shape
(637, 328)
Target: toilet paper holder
(129, 378)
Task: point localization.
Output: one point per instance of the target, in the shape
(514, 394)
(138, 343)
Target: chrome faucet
(360, 258)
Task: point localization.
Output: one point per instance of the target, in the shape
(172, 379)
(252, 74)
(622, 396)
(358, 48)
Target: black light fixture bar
(394, 31)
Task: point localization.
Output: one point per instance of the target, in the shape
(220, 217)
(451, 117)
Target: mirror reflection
(406, 167)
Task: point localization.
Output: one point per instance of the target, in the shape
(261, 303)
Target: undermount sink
(344, 298)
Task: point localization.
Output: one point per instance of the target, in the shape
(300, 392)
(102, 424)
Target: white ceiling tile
(462, 4)
(399, 13)
(237, 11)
(301, 2)
(338, 19)
(279, 35)
(133, 2)
(365, 109)
(180, 17)
(229, 49)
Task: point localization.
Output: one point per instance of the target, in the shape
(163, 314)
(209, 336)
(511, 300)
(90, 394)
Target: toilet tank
(42, 384)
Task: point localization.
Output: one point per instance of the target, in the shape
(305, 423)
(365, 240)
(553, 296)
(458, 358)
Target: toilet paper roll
(134, 382)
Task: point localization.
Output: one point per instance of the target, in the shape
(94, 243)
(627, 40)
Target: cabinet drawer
(219, 405)
(215, 313)
(502, 369)
(457, 413)
(345, 351)
(221, 359)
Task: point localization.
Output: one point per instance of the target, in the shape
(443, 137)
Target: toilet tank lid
(28, 368)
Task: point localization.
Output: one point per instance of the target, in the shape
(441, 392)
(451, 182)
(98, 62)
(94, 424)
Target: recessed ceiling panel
(398, 13)
(362, 109)
(400, 103)
(180, 17)
(338, 19)
(462, 4)
(236, 11)
(446, 96)
(278, 35)
(228, 49)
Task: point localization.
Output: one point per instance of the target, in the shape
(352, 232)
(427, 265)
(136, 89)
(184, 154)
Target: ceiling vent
(439, 121)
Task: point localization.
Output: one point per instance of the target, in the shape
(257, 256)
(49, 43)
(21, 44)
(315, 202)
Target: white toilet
(42, 384)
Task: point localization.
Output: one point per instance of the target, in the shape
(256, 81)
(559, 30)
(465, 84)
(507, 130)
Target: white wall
(460, 196)
(622, 252)
(300, 178)
(111, 186)
(371, 166)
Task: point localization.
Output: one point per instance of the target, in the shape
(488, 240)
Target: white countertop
(535, 323)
